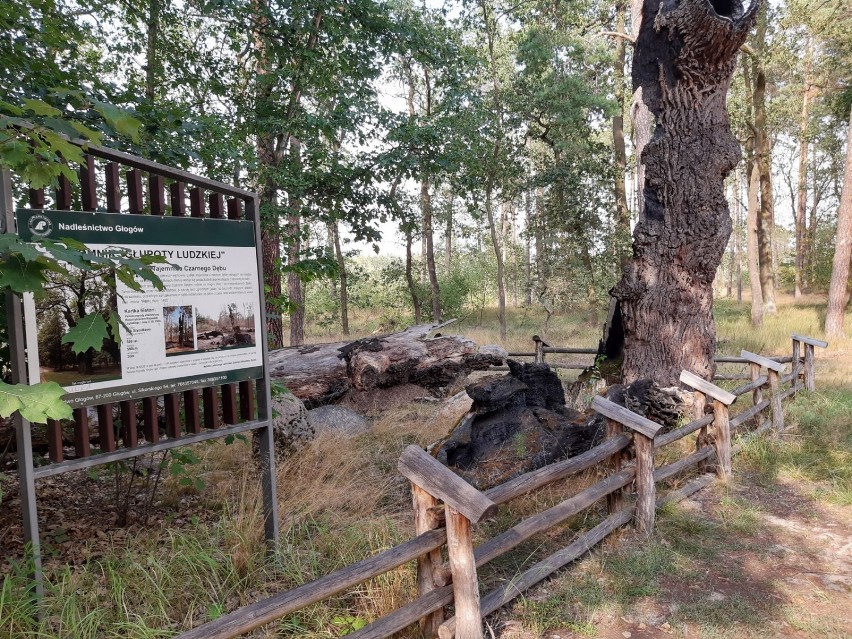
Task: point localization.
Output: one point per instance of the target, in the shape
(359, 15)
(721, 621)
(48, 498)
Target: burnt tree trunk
(684, 58)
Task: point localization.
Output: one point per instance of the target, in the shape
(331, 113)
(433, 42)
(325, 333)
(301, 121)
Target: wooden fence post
(539, 349)
(721, 422)
(464, 505)
(774, 370)
(644, 431)
(428, 565)
(615, 500)
(757, 395)
(797, 363)
(810, 369)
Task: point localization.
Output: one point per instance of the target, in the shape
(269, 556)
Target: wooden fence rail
(446, 508)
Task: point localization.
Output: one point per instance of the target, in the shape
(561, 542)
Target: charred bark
(684, 58)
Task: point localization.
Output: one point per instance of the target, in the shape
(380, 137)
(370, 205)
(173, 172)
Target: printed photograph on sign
(78, 306)
(179, 330)
(224, 326)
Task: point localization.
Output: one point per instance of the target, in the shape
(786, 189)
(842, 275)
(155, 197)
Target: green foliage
(36, 403)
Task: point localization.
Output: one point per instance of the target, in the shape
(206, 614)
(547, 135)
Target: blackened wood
(646, 492)
(54, 441)
(427, 472)
(230, 412)
(547, 519)
(262, 612)
(191, 411)
(156, 195)
(64, 194)
(196, 202)
(134, 192)
(150, 419)
(428, 564)
(82, 447)
(113, 188)
(536, 479)
(88, 184)
(171, 404)
(235, 209)
(36, 197)
(106, 429)
(211, 408)
(177, 195)
(722, 438)
(465, 583)
(247, 400)
(217, 206)
(129, 433)
(543, 569)
(615, 500)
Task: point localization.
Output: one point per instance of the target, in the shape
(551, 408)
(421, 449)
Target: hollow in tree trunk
(684, 58)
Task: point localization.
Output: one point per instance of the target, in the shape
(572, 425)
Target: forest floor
(767, 555)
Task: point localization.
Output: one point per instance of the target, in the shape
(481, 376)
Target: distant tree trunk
(802, 189)
(763, 161)
(622, 211)
(738, 238)
(837, 291)
(498, 253)
(151, 62)
(683, 61)
(295, 292)
(528, 207)
(266, 153)
(344, 284)
(639, 113)
(409, 276)
(540, 250)
(753, 204)
(426, 209)
(448, 236)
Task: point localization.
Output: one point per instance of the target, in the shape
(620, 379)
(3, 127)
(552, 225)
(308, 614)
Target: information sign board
(201, 330)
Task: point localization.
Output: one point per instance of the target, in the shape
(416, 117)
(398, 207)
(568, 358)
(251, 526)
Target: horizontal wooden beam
(547, 519)
(711, 390)
(626, 417)
(669, 470)
(536, 479)
(262, 612)
(679, 433)
(419, 467)
(752, 385)
(771, 364)
(810, 340)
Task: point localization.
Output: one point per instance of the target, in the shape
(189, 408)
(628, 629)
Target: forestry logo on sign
(40, 225)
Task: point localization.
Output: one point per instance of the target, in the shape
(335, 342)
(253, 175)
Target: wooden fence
(446, 507)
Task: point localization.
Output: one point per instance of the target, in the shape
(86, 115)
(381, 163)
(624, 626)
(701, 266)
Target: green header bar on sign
(123, 229)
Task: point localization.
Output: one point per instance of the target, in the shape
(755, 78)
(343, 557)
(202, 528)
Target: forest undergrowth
(342, 500)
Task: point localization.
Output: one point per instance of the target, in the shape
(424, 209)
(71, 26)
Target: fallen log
(319, 374)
